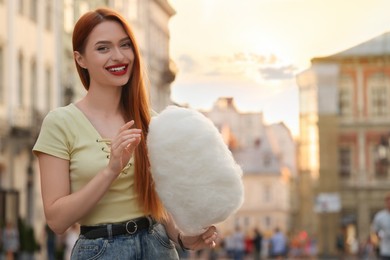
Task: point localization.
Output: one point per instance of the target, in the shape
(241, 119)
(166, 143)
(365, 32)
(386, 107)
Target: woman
(10, 240)
(93, 156)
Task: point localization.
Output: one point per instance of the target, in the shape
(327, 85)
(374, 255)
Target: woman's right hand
(123, 146)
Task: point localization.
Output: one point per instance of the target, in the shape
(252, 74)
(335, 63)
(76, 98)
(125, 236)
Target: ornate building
(344, 141)
(37, 74)
(266, 154)
(29, 86)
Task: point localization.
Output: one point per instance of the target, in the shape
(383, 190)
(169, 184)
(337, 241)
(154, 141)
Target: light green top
(68, 134)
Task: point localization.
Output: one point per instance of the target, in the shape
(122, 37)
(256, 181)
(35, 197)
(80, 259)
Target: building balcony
(24, 122)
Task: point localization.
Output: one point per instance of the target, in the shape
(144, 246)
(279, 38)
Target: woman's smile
(117, 70)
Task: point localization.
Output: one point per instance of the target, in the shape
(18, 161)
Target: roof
(377, 46)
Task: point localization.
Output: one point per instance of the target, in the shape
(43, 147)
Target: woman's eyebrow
(102, 42)
(125, 39)
(109, 42)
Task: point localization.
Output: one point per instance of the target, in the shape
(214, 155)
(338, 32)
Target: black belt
(130, 227)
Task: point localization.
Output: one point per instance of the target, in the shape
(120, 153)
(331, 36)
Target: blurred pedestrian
(228, 245)
(10, 238)
(381, 226)
(340, 243)
(313, 247)
(258, 244)
(278, 244)
(367, 249)
(51, 242)
(238, 243)
(248, 244)
(92, 154)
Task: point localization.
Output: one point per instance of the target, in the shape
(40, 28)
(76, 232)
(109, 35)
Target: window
(68, 16)
(345, 162)
(378, 101)
(345, 95)
(20, 79)
(267, 222)
(33, 84)
(267, 159)
(48, 89)
(237, 222)
(48, 15)
(378, 94)
(381, 155)
(267, 193)
(9, 205)
(246, 221)
(1, 75)
(34, 10)
(21, 7)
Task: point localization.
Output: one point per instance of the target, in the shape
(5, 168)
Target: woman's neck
(105, 102)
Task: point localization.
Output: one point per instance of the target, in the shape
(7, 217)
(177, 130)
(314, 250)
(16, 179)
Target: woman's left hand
(205, 240)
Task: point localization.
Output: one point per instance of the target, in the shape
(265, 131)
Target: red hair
(134, 101)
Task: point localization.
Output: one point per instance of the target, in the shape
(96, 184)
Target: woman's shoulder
(62, 117)
(61, 113)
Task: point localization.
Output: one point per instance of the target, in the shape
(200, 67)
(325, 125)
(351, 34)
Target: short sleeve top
(67, 133)
(381, 224)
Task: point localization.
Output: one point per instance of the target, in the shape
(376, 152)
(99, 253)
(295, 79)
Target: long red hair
(134, 101)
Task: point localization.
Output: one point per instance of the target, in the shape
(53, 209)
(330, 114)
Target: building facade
(266, 154)
(344, 141)
(37, 74)
(29, 87)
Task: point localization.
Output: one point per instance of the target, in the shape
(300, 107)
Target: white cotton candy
(195, 174)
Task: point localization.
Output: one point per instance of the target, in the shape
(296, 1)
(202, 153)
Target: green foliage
(28, 243)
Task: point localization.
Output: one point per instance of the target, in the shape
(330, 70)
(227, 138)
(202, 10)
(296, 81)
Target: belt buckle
(135, 227)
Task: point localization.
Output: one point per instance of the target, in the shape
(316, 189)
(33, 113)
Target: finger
(211, 239)
(129, 133)
(125, 136)
(125, 133)
(125, 141)
(126, 126)
(132, 145)
(210, 232)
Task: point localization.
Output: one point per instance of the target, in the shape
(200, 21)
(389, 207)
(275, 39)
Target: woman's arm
(205, 240)
(63, 208)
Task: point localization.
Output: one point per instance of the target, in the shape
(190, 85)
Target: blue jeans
(147, 244)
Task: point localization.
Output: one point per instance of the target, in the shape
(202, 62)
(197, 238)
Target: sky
(253, 49)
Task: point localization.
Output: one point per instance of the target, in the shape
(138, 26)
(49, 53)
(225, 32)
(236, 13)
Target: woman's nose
(117, 54)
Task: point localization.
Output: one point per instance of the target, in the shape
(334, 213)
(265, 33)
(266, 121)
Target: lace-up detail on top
(106, 149)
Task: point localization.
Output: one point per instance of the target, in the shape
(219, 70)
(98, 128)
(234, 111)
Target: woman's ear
(79, 59)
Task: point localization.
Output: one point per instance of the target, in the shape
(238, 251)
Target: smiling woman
(114, 54)
(92, 154)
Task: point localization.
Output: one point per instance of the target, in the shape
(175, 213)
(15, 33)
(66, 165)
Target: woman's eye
(102, 48)
(127, 45)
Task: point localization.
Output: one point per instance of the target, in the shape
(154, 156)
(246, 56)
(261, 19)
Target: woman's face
(108, 55)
